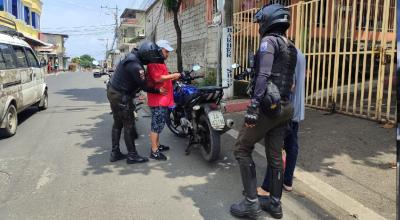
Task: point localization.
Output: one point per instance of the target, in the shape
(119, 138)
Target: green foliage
(210, 78)
(75, 60)
(172, 5)
(86, 61)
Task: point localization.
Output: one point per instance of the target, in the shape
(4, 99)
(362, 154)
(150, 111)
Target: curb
(236, 105)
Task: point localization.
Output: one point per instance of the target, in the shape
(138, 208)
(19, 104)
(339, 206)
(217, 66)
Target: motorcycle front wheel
(211, 140)
(174, 124)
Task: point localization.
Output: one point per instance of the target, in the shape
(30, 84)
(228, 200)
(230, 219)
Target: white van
(21, 82)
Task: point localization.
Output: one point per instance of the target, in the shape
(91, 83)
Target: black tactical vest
(284, 66)
(122, 80)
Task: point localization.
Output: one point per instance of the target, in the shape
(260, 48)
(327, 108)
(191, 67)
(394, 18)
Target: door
(37, 71)
(10, 78)
(28, 79)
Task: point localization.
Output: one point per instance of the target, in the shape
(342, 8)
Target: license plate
(216, 119)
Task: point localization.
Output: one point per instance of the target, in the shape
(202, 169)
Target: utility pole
(105, 59)
(115, 13)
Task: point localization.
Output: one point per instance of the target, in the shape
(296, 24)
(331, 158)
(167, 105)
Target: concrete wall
(200, 43)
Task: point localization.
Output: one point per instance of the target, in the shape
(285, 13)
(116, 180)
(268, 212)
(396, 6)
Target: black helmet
(149, 52)
(273, 17)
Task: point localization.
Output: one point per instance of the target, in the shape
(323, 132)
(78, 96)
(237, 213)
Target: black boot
(249, 207)
(116, 154)
(272, 204)
(133, 156)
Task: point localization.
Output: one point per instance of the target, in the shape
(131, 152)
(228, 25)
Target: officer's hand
(163, 91)
(251, 117)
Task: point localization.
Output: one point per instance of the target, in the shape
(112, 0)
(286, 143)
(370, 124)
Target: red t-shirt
(154, 73)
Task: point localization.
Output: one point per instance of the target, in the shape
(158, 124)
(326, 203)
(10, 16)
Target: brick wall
(200, 43)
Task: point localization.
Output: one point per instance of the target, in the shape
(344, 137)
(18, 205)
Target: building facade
(201, 24)
(24, 15)
(53, 55)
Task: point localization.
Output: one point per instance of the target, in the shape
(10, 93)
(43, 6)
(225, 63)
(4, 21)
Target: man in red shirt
(159, 77)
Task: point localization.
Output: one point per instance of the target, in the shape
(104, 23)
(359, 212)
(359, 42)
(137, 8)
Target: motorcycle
(197, 114)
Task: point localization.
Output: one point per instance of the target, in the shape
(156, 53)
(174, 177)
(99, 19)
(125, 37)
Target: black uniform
(128, 79)
(269, 112)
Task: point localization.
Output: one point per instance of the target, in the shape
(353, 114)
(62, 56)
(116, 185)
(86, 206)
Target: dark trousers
(291, 147)
(273, 130)
(122, 107)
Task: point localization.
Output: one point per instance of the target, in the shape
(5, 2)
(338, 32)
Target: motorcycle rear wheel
(174, 125)
(211, 140)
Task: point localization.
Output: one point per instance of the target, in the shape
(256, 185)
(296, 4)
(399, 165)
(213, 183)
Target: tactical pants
(122, 107)
(273, 130)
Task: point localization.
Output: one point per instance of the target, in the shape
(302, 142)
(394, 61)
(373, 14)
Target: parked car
(21, 82)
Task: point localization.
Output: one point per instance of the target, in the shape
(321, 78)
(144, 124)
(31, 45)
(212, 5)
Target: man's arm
(265, 60)
(139, 76)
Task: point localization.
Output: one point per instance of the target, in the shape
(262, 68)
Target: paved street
(56, 167)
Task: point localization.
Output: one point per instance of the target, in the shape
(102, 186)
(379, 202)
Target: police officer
(128, 79)
(269, 112)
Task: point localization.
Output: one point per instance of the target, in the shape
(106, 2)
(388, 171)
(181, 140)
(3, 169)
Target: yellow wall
(34, 5)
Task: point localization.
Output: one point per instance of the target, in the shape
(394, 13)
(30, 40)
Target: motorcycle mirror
(97, 75)
(235, 65)
(196, 68)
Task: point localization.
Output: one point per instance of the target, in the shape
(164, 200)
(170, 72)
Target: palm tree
(174, 6)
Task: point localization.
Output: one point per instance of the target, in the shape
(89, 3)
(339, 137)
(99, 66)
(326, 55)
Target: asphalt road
(56, 167)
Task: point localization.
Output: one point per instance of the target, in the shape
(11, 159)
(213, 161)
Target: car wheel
(44, 102)
(11, 122)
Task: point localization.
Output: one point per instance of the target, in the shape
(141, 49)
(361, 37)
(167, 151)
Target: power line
(76, 27)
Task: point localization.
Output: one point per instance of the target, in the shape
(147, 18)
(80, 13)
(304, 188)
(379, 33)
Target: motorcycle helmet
(149, 52)
(273, 17)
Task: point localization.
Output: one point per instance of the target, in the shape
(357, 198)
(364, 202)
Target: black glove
(251, 116)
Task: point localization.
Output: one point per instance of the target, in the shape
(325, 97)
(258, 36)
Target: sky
(85, 23)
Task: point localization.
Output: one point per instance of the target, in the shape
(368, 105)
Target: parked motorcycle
(197, 114)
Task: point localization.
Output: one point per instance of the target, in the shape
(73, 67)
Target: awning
(36, 42)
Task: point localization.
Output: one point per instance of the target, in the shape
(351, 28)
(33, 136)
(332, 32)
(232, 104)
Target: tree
(86, 61)
(174, 6)
(75, 60)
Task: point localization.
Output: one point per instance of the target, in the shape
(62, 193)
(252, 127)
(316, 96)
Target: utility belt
(272, 102)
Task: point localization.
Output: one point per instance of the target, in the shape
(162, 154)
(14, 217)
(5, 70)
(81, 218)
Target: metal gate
(350, 47)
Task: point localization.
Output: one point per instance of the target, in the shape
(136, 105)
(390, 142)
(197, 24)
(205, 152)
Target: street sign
(226, 65)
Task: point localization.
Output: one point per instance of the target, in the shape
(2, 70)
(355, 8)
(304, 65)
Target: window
(1, 5)
(14, 8)
(32, 58)
(22, 62)
(6, 57)
(34, 20)
(212, 8)
(27, 13)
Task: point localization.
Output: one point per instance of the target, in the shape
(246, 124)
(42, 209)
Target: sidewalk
(347, 154)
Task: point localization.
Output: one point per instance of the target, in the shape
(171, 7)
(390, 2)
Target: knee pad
(245, 161)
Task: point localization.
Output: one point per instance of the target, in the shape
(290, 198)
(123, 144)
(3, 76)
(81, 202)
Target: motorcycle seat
(208, 89)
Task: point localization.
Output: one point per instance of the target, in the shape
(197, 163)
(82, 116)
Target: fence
(350, 47)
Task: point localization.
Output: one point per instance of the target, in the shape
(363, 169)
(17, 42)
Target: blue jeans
(292, 148)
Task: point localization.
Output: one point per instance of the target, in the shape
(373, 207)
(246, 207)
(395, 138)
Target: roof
(128, 11)
(13, 40)
(63, 35)
(151, 5)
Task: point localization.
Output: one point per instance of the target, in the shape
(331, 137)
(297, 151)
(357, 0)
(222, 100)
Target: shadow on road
(213, 196)
(96, 95)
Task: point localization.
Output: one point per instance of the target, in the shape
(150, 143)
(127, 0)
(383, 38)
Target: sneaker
(163, 148)
(287, 188)
(157, 155)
